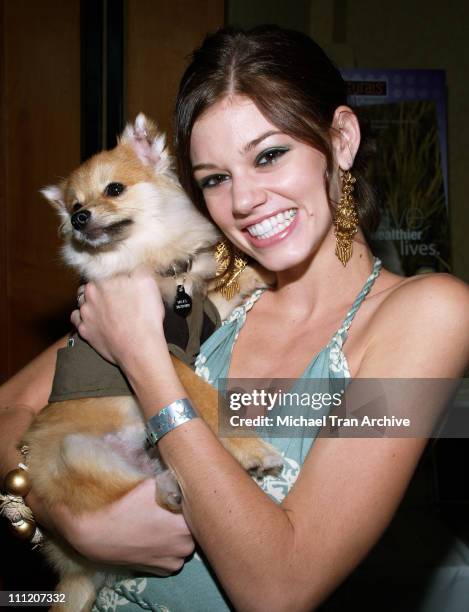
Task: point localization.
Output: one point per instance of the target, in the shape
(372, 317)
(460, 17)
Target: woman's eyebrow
(248, 147)
(203, 167)
(253, 143)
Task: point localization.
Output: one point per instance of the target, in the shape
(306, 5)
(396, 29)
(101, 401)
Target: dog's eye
(76, 206)
(114, 189)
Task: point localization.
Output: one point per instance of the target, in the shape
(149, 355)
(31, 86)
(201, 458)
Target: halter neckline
(245, 307)
(214, 360)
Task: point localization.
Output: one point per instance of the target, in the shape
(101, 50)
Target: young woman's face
(264, 189)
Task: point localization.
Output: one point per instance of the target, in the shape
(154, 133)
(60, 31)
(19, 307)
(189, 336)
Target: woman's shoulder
(420, 318)
(441, 296)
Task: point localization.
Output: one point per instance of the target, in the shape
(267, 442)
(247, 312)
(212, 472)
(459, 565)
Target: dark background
(72, 72)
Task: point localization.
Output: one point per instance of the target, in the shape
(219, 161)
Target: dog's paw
(168, 493)
(268, 462)
(256, 456)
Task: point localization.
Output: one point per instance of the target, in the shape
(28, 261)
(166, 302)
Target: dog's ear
(55, 195)
(148, 143)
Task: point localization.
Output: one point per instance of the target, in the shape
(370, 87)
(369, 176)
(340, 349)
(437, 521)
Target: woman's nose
(246, 194)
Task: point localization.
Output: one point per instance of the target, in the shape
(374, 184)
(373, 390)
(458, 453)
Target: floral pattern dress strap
(341, 334)
(220, 344)
(239, 313)
(338, 365)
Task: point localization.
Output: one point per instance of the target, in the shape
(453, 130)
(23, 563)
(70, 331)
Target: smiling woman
(268, 148)
(271, 189)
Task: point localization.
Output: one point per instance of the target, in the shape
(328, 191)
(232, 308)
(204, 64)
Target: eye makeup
(270, 156)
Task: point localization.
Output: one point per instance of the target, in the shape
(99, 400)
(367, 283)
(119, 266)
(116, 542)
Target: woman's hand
(119, 315)
(132, 531)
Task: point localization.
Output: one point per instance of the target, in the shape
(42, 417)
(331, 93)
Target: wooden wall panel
(40, 81)
(4, 359)
(160, 37)
(40, 141)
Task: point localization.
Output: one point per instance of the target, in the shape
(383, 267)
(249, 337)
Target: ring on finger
(80, 299)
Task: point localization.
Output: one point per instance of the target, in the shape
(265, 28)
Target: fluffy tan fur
(87, 453)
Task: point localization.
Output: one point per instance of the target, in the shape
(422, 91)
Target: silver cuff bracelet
(169, 418)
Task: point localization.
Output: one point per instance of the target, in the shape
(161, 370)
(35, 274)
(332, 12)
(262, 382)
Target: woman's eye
(212, 181)
(270, 156)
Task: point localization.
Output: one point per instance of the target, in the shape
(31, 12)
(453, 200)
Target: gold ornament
(12, 506)
(227, 256)
(17, 482)
(346, 219)
(24, 529)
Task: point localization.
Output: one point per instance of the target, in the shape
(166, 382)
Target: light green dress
(195, 588)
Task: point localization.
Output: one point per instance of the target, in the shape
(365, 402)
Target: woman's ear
(345, 136)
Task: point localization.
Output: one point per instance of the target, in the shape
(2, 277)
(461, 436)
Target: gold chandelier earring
(231, 263)
(345, 219)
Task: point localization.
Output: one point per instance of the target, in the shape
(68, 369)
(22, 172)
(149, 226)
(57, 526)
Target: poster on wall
(404, 117)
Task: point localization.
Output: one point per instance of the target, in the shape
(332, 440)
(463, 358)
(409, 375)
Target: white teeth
(280, 217)
(273, 225)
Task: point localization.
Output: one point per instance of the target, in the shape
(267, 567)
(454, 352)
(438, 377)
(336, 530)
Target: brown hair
(289, 78)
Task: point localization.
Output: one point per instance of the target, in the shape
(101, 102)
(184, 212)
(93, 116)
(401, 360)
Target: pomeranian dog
(120, 209)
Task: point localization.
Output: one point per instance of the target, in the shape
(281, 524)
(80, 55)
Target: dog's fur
(87, 453)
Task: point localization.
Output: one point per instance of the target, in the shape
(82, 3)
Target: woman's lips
(260, 243)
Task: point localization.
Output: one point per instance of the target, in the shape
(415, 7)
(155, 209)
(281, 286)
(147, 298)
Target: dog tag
(183, 303)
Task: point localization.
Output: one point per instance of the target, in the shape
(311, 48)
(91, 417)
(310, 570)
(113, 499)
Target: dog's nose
(80, 218)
